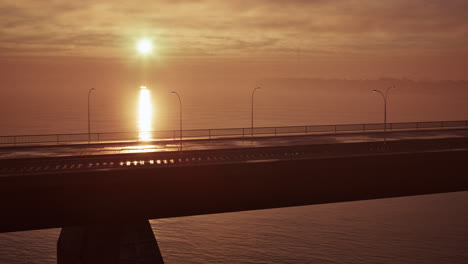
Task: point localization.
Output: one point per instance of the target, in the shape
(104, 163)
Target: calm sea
(422, 229)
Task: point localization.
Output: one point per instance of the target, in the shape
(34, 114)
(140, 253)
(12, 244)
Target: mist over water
(423, 229)
(280, 102)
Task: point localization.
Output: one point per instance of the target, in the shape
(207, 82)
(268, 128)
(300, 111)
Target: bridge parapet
(216, 133)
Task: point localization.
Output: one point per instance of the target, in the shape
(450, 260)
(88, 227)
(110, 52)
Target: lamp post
(384, 97)
(89, 116)
(253, 92)
(180, 118)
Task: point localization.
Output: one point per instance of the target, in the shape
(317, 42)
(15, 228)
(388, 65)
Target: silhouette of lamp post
(180, 118)
(384, 97)
(89, 115)
(252, 119)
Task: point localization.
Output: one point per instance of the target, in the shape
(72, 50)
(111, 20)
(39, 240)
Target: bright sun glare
(144, 114)
(145, 46)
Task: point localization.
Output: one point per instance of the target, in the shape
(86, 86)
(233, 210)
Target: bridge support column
(128, 243)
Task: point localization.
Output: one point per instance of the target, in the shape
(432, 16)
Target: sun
(144, 46)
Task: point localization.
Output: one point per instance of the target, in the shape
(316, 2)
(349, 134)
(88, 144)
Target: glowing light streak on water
(144, 117)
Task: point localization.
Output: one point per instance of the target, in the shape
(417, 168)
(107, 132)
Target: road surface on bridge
(216, 144)
(61, 159)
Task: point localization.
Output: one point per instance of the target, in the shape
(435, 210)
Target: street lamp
(253, 92)
(180, 119)
(89, 119)
(384, 97)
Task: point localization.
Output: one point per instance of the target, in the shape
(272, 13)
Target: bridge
(103, 193)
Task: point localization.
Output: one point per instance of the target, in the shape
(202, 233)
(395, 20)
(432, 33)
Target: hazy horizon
(52, 53)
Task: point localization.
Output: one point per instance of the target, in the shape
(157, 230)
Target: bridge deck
(40, 160)
(75, 197)
(43, 192)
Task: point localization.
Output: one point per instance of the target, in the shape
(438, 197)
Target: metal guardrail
(218, 156)
(77, 138)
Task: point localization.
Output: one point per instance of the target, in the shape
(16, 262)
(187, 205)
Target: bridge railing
(80, 138)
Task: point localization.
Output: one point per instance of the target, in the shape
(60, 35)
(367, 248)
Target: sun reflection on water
(144, 114)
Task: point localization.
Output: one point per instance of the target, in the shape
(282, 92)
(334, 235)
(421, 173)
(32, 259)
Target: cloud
(239, 27)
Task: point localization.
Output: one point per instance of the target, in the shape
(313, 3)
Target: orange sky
(398, 38)
(53, 52)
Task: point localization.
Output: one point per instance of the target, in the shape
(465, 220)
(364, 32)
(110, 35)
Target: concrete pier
(114, 243)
